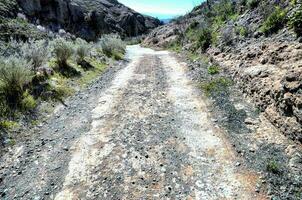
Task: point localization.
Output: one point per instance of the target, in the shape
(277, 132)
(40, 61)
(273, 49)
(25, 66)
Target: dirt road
(142, 131)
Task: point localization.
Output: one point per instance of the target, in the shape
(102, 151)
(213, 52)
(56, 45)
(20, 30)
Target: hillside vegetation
(257, 42)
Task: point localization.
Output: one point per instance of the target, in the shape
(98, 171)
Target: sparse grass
(175, 46)
(217, 85)
(8, 125)
(214, 69)
(89, 76)
(274, 22)
(273, 167)
(59, 85)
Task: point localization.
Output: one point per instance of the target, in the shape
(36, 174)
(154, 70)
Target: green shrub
(274, 22)
(59, 86)
(253, 3)
(63, 50)
(112, 46)
(28, 102)
(174, 46)
(217, 85)
(273, 166)
(225, 9)
(82, 50)
(296, 22)
(14, 75)
(35, 52)
(213, 70)
(8, 125)
(242, 31)
(204, 38)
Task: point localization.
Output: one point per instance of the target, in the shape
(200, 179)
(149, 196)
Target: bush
(35, 52)
(296, 22)
(82, 50)
(213, 70)
(63, 50)
(274, 22)
(14, 75)
(216, 86)
(225, 9)
(112, 46)
(253, 3)
(28, 102)
(227, 36)
(242, 31)
(273, 167)
(204, 38)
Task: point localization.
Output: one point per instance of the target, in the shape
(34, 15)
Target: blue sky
(162, 8)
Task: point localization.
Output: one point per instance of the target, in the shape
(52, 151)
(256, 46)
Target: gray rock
(88, 19)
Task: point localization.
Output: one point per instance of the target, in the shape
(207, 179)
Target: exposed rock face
(270, 73)
(88, 18)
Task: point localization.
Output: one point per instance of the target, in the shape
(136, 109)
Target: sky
(162, 9)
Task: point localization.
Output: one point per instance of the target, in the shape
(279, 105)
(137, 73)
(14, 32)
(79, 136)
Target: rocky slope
(84, 18)
(254, 43)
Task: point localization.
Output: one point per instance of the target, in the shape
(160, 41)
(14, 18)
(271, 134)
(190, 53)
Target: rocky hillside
(257, 43)
(84, 18)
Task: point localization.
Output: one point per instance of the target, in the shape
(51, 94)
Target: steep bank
(84, 18)
(257, 43)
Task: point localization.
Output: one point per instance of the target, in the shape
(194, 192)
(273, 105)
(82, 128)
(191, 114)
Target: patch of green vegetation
(8, 125)
(112, 46)
(273, 167)
(14, 75)
(7, 7)
(89, 76)
(274, 22)
(225, 9)
(296, 22)
(174, 46)
(242, 31)
(294, 2)
(63, 50)
(217, 85)
(253, 3)
(204, 38)
(18, 29)
(298, 194)
(59, 85)
(214, 69)
(193, 56)
(28, 102)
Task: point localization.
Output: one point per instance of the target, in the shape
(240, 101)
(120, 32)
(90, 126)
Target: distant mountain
(166, 21)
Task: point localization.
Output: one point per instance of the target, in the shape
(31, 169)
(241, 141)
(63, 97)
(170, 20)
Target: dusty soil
(142, 131)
